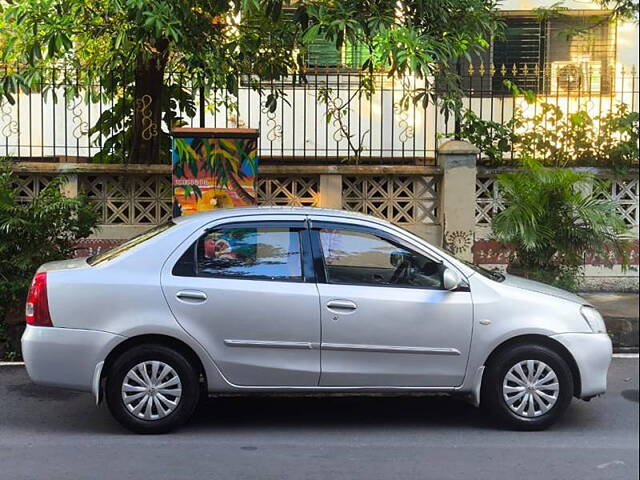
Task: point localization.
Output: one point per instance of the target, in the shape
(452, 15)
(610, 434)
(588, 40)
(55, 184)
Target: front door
(245, 292)
(386, 320)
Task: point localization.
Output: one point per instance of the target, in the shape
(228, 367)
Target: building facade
(327, 145)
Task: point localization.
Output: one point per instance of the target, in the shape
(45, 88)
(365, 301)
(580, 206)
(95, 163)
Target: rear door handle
(191, 296)
(341, 306)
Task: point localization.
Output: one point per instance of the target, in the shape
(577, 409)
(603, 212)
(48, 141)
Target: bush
(556, 138)
(31, 234)
(552, 223)
(494, 139)
(579, 139)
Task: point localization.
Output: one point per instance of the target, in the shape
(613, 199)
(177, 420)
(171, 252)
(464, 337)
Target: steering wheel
(400, 272)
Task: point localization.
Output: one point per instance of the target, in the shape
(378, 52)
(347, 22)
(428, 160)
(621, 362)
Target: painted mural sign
(213, 168)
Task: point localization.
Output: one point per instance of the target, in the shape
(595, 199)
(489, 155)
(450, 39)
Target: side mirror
(451, 279)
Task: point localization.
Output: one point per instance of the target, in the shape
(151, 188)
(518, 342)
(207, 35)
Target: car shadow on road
(74, 412)
(360, 413)
(330, 412)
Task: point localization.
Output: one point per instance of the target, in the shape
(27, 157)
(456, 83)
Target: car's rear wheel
(527, 387)
(152, 389)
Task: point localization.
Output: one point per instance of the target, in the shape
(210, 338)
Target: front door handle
(191, 296)
(341, 306)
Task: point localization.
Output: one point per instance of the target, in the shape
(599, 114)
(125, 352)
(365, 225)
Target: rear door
(386, 319)
(246, 291)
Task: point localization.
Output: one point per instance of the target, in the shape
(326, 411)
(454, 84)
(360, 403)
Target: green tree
(623, 9)
(136, 49)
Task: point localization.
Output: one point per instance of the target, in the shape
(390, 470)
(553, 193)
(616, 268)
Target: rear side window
(258, 253)
(129, 244)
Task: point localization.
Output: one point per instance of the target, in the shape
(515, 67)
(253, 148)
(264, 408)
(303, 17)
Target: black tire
(186, 372)
(492, 387)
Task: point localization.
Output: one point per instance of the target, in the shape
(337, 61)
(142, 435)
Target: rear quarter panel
(123, 297)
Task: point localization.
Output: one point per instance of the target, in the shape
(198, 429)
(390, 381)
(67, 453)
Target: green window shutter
(524, 43)
(323, 53)
(355, 54)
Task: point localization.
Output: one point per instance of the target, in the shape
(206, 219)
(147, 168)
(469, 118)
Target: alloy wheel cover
(530, 388)
(151, 390)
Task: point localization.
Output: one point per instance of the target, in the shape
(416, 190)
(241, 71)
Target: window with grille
(580, 50)
(523, 44)
(566, 55)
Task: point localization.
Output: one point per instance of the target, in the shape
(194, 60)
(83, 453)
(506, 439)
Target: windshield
(129, 244)
(485, 272)
(490, 274)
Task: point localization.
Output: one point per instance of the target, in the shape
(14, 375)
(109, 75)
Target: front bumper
(65, 357)
(592, 353)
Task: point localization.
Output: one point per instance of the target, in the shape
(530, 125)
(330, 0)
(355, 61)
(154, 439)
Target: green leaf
(119, 39)
(311, 34)
(51, 46)
(66, 41)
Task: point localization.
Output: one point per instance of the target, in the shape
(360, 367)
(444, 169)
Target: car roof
(215, 214)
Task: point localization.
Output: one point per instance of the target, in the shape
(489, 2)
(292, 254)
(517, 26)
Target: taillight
(37, 309)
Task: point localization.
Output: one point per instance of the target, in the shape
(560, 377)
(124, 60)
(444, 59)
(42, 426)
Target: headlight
(594, 319)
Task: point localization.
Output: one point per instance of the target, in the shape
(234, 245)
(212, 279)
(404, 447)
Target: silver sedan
(304, 300)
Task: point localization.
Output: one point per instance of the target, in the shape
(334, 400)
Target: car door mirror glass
(451, 279)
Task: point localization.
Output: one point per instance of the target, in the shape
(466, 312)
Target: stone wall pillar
(69, 187)
(458, 196)
(330, 191)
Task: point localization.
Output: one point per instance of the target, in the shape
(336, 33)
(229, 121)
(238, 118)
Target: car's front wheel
(527, 387)
(152, 389)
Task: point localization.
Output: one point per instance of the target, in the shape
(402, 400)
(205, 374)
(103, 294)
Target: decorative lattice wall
(488, 201)
(128, 199)
(403, 200)
(624, 192)
(29, 185)
(294, 191)
(145, 199)
(625, 195)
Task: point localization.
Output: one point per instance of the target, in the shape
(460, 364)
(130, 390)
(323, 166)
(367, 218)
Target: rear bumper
(65, 357)
(592, 353)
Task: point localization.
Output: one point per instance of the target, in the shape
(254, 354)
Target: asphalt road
(54, 434)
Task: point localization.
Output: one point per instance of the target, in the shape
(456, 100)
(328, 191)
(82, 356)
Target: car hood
(533, 286)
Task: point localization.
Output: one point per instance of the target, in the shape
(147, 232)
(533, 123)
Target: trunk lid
(64, 265)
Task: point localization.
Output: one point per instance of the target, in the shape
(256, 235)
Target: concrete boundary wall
(449, 205)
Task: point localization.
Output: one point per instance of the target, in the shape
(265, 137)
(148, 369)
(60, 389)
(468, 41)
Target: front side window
(361, 258)
(260, 253)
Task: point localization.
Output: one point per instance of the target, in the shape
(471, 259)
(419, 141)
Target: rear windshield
(129, 244)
